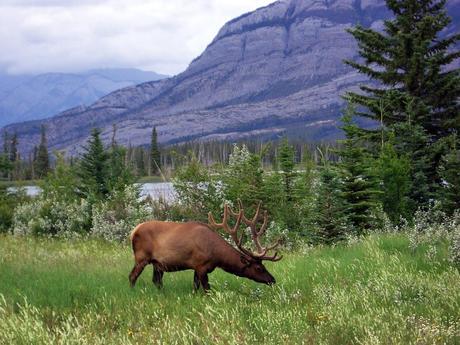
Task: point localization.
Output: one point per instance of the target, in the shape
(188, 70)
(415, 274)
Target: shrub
(51, 217)
(115, 218)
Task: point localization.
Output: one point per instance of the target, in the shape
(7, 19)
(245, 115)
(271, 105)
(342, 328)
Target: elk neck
(230, 261)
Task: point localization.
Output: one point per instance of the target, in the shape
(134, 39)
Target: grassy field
(374, 292)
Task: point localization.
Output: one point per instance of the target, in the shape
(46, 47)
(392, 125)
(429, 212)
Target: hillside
(276, 68)
(27, 97)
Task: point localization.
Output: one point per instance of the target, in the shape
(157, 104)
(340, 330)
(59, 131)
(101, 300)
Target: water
(164, 190)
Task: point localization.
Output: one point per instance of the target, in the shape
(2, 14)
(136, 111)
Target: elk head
(253, 267)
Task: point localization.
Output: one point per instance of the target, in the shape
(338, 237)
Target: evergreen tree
(119, 173)
(394, 172)
(13, 151)
(330, 218)
(42, 157)
(410, 59)
(93, 170)
(450, 173)
(5, 163)
(155, 155)
(286, 161)
(360, 185)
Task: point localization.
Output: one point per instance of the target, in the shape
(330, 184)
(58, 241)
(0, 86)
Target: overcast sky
(38, 36)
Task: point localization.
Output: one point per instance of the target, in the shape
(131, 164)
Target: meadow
(374, 291)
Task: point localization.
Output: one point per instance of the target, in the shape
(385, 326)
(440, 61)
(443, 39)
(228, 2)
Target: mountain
(268, 71)
(26, 97)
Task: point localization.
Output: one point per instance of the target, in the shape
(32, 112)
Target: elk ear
(245, 261)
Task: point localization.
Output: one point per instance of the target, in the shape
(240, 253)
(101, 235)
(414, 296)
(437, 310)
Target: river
(164, 190)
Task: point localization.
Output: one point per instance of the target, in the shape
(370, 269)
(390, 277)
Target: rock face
(277, 67)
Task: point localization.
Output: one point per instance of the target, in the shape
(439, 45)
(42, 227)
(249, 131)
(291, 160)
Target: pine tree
(93, 170)
(360, 185)
(42, 157)
(409, 58)
(155, 155)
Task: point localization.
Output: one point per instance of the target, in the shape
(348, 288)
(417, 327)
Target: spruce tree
(409, 58)
(13, 151)
(155, 155)
(286, 159)
(93, 170)
(394, 171)
(450, 173)
(415, 90)
(287, 162)
(360, 185)
(329, 217)
(42, 157)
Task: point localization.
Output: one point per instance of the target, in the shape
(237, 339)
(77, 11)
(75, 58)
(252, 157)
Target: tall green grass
(374, 292)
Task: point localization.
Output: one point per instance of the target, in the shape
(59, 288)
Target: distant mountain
(26, 97)
(275, 69)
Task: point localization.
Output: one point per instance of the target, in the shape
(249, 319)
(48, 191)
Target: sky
(39, 36)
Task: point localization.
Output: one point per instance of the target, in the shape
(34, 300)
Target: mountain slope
(277, 67)
(36, 97)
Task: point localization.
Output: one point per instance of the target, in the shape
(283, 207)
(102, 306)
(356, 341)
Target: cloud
(75, 35)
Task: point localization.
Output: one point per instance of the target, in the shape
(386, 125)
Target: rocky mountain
(270, 70)
(26, 97)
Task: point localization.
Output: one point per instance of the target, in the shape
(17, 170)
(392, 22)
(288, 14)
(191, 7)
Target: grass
(374, 292)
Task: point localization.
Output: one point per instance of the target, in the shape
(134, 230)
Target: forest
(369, 226)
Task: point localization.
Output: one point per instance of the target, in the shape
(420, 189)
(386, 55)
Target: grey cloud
(71, 35)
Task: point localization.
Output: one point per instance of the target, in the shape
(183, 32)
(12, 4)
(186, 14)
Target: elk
(172, 247)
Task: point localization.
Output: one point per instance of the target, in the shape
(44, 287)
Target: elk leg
(196, 281)
(157, 277)
(137, 270)
(204, 281)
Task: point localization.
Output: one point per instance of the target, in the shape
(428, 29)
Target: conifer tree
(42, 157)
(394, 172)
(155, 155)
(93, 171)
(360, 185)
(330, 218)
(119, 174)
(450, 173)
(13, 151)
(410, 59)
(286, 161)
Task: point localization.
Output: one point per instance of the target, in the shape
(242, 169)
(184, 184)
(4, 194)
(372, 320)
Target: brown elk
(171, 247)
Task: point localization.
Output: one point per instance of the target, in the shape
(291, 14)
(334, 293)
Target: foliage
(393, 171)
(360, 185)
(115, 218)
(409, 57)
(155, 155)
(51, 217)
(93, 169)
(449, 171)
(8, 202)
(330, 217)
(243, 178)
(41, 163)
(197, 191)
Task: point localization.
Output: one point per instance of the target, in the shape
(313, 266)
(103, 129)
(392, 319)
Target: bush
(115, 218)
(51, 217)
(8, 202)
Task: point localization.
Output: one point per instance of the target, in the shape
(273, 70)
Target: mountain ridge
(252, 78)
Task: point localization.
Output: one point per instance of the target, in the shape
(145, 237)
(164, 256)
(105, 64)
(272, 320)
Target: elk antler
(261, 253)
